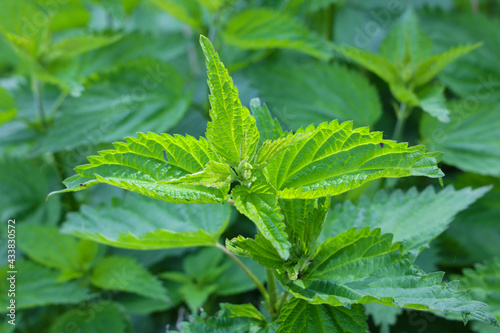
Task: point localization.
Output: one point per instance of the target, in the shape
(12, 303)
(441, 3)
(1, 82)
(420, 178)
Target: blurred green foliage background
(77, 75)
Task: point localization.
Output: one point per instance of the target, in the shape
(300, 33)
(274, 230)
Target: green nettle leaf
(429, 68)
(140, 96)
(304, 221)
(125, 274)
(261, 28)
(259, 249)
(334, 158)
(23, 190)
(37, 285)
(269, 127)
(187, 11)
(366, 267)
(474, 76)
(406, 63)
(483, 282)
(431, 100)
(313, 93)
(8, 108)
(215, 174)
(241, 318)
(470, 141)
(139, 165)
(232, 132)
(73, 46)
(48, 247)
(140, 223)
(260, 204)
(298, 315)
(100, 317)
(402, 214)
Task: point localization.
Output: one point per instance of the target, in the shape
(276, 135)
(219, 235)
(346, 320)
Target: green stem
(273, 294)
(57, 104)
(402, 113)
(246, 270)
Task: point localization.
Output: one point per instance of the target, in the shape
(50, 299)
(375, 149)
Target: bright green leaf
(36, 286)
(125, 274)
(215, 174)
(470, 141)
(334, 158)
(313, 93)
(297, 315)
(73, 46)
(415, 218)
(260, 204)
(232, 131)
(100, 317)
(262, 28)
(138, 165)
(141, 223)
(259, 249)
(365, 267)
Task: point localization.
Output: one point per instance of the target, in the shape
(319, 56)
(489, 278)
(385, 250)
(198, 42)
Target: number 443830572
(11, 247)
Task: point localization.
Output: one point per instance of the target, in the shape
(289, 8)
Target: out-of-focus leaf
(23, 189)
(415, 218)
(470, 141)
(313, 93)
(125, 274)
(474, 76)
(73, 46)
(36, 286)
(141, 223)
(48, 247)
(143, 96)
(382, 315)
(269, 127)
(297, 315)
(260, 28)
(99, 317)
(432, 101)
(8, 108)
(186, 11)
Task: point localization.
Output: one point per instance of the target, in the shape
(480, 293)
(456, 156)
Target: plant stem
(402, 114)
(273, 294)
(57, 104)
(246, 270)
(39, 102)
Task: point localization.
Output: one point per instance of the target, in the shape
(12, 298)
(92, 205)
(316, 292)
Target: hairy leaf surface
(334, 158)
(140, 223)
(139, 165)
(365, 267)
(232, 132)
(297, 315)
(260, 204)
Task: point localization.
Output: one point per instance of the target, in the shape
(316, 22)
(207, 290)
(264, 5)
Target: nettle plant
(283, 182)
